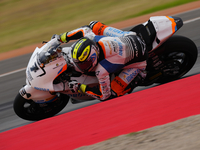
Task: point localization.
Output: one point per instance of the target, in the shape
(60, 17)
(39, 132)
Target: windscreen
(50, 53)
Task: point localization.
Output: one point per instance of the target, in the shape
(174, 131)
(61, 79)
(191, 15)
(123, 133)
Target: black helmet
(85, 54)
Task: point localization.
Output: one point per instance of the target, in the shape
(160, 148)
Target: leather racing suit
(119, 50)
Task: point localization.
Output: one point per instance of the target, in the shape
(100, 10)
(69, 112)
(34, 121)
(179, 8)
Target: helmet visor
(84, 66)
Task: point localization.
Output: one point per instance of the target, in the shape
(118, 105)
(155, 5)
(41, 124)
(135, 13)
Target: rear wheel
(29, 110)
(180, 55)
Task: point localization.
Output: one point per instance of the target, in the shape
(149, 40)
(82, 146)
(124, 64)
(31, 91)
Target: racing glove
(92, 23)
(73, 86)
(64, 37)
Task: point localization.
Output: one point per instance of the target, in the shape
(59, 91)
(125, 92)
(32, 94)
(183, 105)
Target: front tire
(29, 110)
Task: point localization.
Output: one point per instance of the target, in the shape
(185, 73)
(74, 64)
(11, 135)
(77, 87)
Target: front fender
(29, 92)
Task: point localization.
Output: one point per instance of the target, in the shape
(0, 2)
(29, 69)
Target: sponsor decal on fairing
(41, 89)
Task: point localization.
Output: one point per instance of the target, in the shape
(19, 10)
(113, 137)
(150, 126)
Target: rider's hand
(74, 86)
(64, 38)
(92, 23)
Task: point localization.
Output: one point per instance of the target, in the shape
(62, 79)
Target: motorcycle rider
(105, 50)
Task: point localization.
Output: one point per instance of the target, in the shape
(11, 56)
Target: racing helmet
(85, 54)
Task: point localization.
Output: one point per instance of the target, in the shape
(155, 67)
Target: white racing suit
(120, 51)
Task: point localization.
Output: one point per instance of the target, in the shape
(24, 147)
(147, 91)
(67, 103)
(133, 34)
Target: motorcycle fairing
(40, 95)
(39, 79)
(29, 92)
(40, 76)
(165, 27)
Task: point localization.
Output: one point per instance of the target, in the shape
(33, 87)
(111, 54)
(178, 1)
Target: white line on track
(12, 72)
(191, 20)
(22, 69)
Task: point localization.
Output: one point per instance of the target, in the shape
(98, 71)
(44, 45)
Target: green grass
(25, 22)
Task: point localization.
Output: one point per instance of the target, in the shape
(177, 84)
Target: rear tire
(29, 110)
(180, 55)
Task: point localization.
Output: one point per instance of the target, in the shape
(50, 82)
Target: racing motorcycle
(46, 91)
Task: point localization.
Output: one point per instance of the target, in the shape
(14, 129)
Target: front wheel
(29, 110)
(180, 55)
